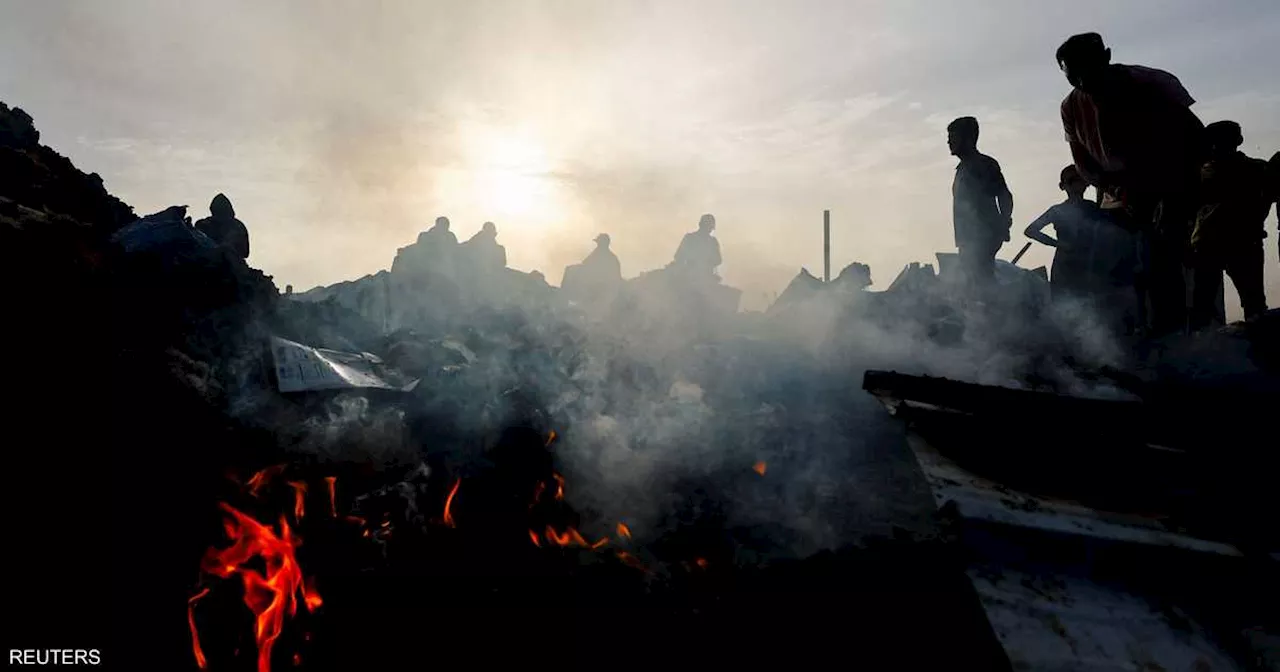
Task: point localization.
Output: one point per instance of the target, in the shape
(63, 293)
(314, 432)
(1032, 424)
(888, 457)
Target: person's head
(221, 207)
(603, 241)
(707, 223)
(1083, 59)
(1224, 137)
(442, 223)
(1070, 181)
(489, 229)
(962, 136)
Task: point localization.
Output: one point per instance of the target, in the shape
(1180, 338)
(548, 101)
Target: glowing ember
(624, 531)
(297, 659)
(260, 480)
(332, 482)
(700, 562)
(533, 536)
(631, 561)
(559, 486)
(551, 438)
(268, 596)
(537, 493)
(299, 499)
(448, 504)
(760, 467)
(191, 621)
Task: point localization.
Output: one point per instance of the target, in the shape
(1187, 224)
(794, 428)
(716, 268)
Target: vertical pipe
(826, 246)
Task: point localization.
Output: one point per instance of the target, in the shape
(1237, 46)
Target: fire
(700, 562)
(268, 596)
(448, 504)
(195, 637)
(533, 536)
(299, 499)
(760, 467)
(551, 437)
(260, 480)
(559, 486)
(570, 537)
(624, 531)
(332, 482)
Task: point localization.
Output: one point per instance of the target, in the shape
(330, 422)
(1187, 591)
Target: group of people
(437, 250)
(597, 278)
(1178, 203)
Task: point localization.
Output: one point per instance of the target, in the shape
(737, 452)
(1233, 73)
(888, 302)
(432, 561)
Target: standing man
(982, 207)
(1229, 226)
(1133, 136)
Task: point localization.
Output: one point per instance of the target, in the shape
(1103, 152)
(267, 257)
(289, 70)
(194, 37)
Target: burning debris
(706, 476)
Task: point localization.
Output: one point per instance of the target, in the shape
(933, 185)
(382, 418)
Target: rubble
(756, 486)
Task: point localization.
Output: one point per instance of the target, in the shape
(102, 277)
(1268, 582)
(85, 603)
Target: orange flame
(560, 539)
(760, 467)
(570, 537)
(550, 438)
(299, 499)
(533, 536)
(700, 562)
(559, 486)
(268, 596)
(260, 480)
(195, 638)
(448, 504)
(332, 482)
(624, 531)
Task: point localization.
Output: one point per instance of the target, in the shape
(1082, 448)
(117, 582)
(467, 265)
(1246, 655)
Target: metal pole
(1017, 257)
(826, 246)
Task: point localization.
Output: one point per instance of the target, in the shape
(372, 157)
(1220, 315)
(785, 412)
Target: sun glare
(511, 174)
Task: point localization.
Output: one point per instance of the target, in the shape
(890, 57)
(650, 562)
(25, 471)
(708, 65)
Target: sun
(511, 174)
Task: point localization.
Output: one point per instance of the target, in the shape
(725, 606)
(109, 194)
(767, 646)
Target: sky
(341, 129)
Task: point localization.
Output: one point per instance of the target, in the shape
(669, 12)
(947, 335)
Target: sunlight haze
(341, 129)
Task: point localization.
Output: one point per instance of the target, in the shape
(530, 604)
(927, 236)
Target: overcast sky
(342, 129)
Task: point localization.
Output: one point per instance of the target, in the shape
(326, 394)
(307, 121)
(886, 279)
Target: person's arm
(715, 252)
(1004, 197)
(1035, 230)
(1088, 168)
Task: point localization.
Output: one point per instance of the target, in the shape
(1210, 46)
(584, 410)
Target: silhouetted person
(699, 252)
(1133, 136)
(597, 279)
(1230, 225)
(982, 207)
(288, 290)
(482, 252)
(223, 228)
(1273, 169)
(602, 263)
(433, 251)
(1079, 249)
